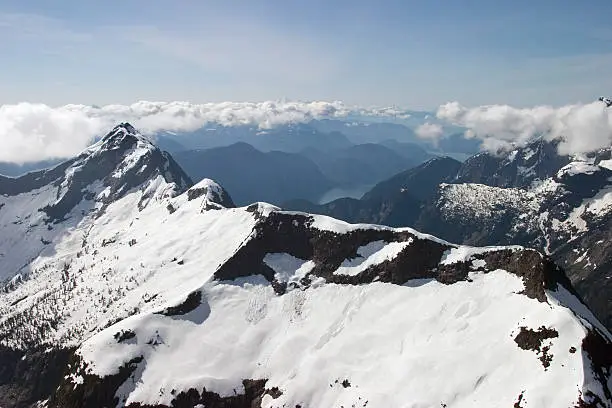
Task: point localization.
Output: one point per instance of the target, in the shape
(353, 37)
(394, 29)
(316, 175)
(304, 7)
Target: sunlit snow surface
(371, 254)
(422, 344)
(487, 203)
(411, 345)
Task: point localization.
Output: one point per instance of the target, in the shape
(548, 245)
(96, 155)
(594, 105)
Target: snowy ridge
(578, 167)
(76, 193)
(536, 208)
(329, 330)
(564, 209)
(159, 294)
(281, 333)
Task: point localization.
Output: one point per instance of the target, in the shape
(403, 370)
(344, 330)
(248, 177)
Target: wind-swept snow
(466, 253)
(371, 254)
(431, 346)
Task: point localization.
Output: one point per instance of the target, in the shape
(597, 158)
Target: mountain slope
(32, 205)
(361, 164)
(396, 201)
(518, 168)
(253, 176)
(562, 209)
(291, 138)
(169, 297)
(530, 196)
(300, 307)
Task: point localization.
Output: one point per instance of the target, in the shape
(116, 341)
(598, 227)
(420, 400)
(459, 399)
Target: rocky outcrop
(421, 258)
(30, 376)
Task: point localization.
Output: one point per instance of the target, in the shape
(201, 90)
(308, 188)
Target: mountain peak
(80, 190)
(123, 137)
(127, 127)
(122, 161)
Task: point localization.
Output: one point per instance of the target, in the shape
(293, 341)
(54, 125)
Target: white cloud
(151, 117)
(431, 131)
(31, 132)
(581, 128)
(386, 112)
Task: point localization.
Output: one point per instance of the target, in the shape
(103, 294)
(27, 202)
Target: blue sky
(414, 54)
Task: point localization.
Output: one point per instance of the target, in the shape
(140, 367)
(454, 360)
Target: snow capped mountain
(126, 286)
(532, 196)
(561, 205)
(517, 168)
(36, 209)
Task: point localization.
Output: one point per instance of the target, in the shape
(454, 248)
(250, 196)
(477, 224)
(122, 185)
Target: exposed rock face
(529, 339)
(293, 234)
(30, 376)
(568, 216)
(536, 161)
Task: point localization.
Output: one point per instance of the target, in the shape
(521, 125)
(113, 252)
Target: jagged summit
(518, 167)
(34, 205)
(126, 126)
(123, 132)
(113, 155)
(120, 139)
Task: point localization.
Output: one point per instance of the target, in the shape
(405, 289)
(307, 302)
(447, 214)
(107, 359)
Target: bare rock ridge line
(107, 161)
(293, 234)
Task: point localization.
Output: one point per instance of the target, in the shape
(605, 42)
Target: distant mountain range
(315, 161)
(381, 132)
(319, 134)
(396, 202)
(276, 177)
(366, 163)
(289, 138)
(253, 175)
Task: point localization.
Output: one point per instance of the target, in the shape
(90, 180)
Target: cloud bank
(32, 132)
(429, 131)
(581, 128)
